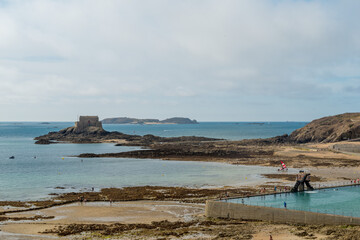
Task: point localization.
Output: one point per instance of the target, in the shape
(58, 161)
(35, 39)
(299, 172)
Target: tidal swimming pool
(340, 201)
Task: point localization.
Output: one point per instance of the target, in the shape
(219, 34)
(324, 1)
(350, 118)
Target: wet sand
(104, 213)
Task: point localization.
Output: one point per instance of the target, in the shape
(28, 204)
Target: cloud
(175, 52)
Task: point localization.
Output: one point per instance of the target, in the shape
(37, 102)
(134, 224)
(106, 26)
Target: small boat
(12, 157)
(283, 167)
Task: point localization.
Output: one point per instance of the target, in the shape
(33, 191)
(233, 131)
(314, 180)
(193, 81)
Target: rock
(43, 141)
(89, 130)
(329, 129)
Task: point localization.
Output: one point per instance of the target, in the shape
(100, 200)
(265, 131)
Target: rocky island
(126, 120)
(89, 130)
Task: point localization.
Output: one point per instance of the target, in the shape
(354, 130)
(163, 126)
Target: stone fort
(87, 121)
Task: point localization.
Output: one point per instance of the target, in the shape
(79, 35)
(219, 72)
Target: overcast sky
(230, 60)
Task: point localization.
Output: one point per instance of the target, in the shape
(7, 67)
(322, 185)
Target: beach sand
(105, 213)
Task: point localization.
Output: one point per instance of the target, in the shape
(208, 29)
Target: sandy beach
(103, 213)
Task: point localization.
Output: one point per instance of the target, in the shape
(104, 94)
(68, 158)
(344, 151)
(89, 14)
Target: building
(87, 121)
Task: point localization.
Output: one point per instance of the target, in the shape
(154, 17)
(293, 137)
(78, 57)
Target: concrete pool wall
(219, 209)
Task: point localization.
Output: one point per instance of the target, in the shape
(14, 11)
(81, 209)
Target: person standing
(285, 205)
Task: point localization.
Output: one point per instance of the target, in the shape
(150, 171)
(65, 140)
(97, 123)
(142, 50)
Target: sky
(228, 60)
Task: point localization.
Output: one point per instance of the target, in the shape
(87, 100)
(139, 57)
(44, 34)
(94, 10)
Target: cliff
(126, 120)
(329, 129)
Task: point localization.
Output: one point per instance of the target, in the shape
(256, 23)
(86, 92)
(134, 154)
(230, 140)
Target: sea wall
(219, 209)
(355, 148)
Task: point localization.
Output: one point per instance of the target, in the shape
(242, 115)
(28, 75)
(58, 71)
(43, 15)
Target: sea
(39, 170)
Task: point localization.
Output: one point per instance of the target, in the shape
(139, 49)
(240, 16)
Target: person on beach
(285, 205)
(271, 237)
(275, 188)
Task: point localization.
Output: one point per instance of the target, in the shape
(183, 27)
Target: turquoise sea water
(338, 201)
(27, 177)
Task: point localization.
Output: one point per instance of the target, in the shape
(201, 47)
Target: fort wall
(86, 122)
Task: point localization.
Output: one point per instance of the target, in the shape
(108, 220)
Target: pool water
(339, 201)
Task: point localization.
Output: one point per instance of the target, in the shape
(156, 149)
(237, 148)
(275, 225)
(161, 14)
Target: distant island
(126, 120)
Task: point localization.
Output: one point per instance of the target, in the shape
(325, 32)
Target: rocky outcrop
(329, 129)
(96, 135)
(44, 141)
(192, 150)
(89, 130)
(278, 140)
